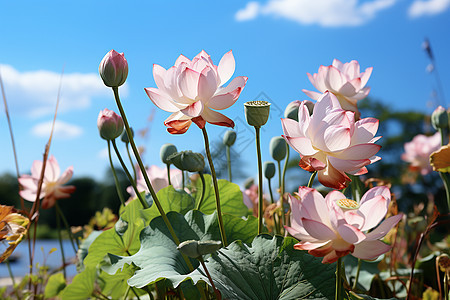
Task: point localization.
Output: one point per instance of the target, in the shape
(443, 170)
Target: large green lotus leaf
(158, 257)
(116, 285)
(231, 199)
(55, 284)
(82, 285)
(269, 269)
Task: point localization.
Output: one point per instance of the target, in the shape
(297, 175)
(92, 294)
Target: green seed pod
(166, 151)
(188, 161)
(291, 110)
(124, 137)
(277, 148)
(257, 112)
(208, 247)
(439, 118)
(189, 248)
(269, 169)
(229, 138)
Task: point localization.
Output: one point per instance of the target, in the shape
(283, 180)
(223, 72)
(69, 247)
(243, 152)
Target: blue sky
(275, 43)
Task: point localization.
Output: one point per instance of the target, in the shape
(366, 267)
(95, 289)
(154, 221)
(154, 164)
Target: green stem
(283, 187)
(338, 295)
(216, 291)
(182, 179)
(168, 173)
(66, 224)
(58, 226)
(445, 179)
(277, 230)
(203, 190)
(260, 181)
(311, 179)
(131, 161)
(229, 163)
(144, 173)
(216, 187)
(10, 272)
(357, 274)
(116, 180)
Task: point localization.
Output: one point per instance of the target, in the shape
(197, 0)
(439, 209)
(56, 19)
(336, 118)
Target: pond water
(20, 266)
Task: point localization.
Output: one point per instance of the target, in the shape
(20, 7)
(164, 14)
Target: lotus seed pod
(208, 247)
(257, 112)
(439, 118)
(277, 148)
(166, 151)
(229, 138)
(188, 161)
(269, 169)
(124, 137)
(189, 248)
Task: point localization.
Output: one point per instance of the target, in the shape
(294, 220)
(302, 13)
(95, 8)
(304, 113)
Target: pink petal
(159, 73)
(350, 234)
(338, 64)
(226, 67)
(362, 93)
(376, 191)
(310, 246)
(52, 170)
(374, 210)
(333, 80)
(370, 249)
(315, 208)
(356, 152)
(311, 94)
(301, 144)
(384, 227)
(354, 218)
(365, 130)
(66, 176)
(237, 83)
(365, 76)
(352, 70)
(330, 177)
(224, 101)
(162, 100)
(28, 183)
(207, 84)
(29, 195)
(193, 110)
(216, 118)
(300, 234)
(291, 128)
(337, 137)
(348, 165)
(182, 59)
(188, 83)
(318, 230)
(349, 89)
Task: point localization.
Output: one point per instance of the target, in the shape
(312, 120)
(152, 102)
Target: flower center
(347, 204)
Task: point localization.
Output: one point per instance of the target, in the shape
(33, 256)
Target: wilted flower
(13, 228)
(110, 125)
(52, 186)
(334, 226)
(191, 89)
(343, 80)
(158, 179)
(113, 69)
(418, 151)
(331, 142)
(440, 159)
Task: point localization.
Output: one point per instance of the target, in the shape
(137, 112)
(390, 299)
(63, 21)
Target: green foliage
(55, 284)
(82, 285)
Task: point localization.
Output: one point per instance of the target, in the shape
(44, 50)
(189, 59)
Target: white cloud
(421, 8)
(62, 130)
(34, 93)
(103, 154)
(326, 13)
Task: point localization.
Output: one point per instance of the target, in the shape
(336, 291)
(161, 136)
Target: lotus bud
(257, 112)
(113, 69)
(208, 247)
(269, 169)
(166, 151)
(189, 248)
(124, 137)
(188, 161)
(110, 125)
(439, 118)
(248, 183)
(277, 148)
(291, 110)
(229, 138)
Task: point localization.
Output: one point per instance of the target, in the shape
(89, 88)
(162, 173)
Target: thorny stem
(124, 167)
(116, 180)
(311, 179)
(203, 190)
(216, 188)
(229, 163)
(260, 181)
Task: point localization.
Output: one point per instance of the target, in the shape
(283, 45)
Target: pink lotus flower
(343, 80)
(113, 69)
(52, 186)
(110, 125)
(418, 151)
(158, 179)
(331, 142)
(334, 226)
(191, 89)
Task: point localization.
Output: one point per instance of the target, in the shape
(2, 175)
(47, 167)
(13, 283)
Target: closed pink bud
(113, 69)
(110, 125)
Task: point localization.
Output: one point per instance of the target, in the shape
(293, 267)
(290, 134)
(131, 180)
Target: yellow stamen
(347, 204)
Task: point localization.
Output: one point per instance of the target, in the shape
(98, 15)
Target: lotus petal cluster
(53, 185)
(334, 226)
(193, 89)
(331, 142)
(343, 80)
(418, 151)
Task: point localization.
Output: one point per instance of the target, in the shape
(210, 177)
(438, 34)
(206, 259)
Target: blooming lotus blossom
(343, 80)
(52, 186)
(190, 90)
(331, 142)
(158, 179)
(13, 228)
(334, 226)
(418, 151)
